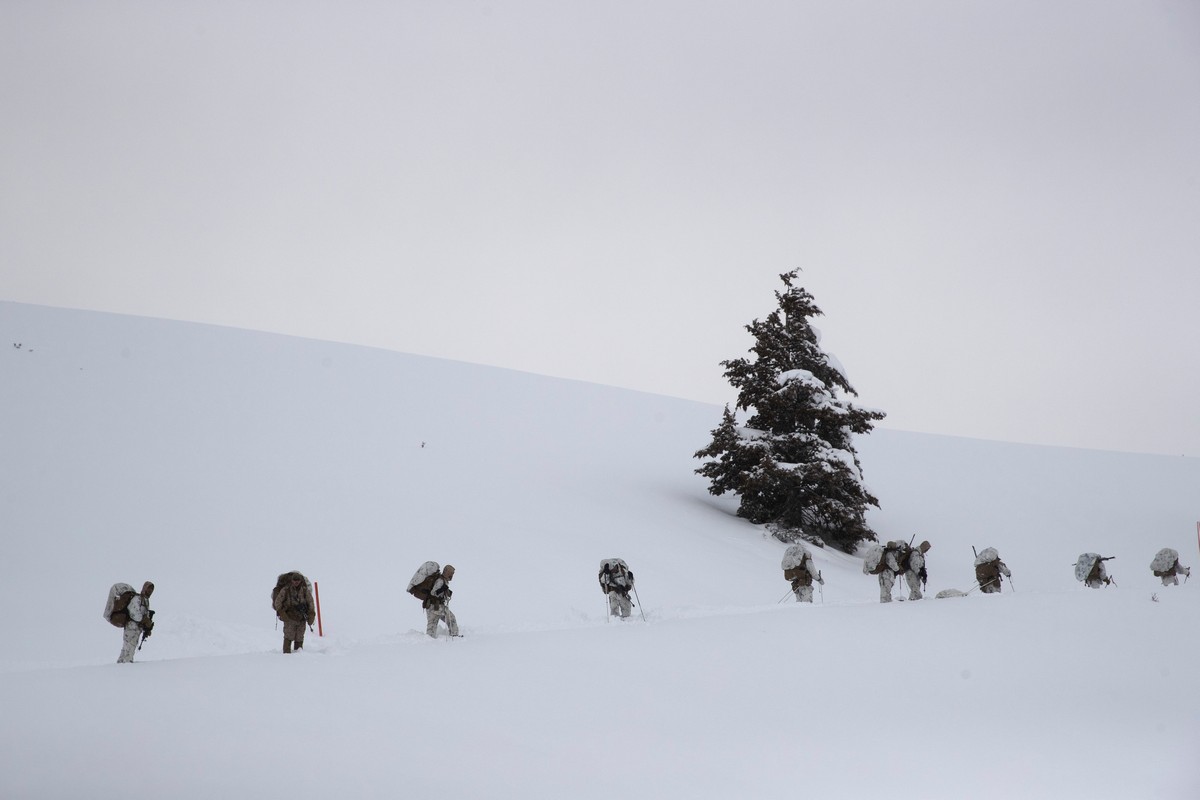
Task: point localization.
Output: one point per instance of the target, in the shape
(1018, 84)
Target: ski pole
(607, 609)
(821, 584)
(978, 585)
(639, 603)
(785, 594)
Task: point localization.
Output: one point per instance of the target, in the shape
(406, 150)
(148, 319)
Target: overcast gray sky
(997, 204)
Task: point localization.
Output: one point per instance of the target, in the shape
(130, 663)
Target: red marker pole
(316, 589)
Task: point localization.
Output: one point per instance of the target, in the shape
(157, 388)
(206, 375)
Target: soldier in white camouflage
(800, 571)
(882, 560)
(437, 605)
(140, 624)
(914, 569)
(1167, 567)
(616, 581)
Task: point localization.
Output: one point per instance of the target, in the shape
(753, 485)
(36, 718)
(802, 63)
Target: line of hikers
(896, 559)
(292, 597)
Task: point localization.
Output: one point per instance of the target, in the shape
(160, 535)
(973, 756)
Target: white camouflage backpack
(795, 556)
(1163, 561)
(987, 555)
(873, 560)
(421, 583)
(116, 610)
(1083, 567)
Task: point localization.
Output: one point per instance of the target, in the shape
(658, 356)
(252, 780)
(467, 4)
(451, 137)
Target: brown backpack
(795, 573)
(118, 601)
(422, 591)
(299, 605)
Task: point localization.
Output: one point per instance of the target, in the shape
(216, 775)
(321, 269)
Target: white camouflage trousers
(443, 614)
(804, 594)
(887, 579)
(619, 605)
(914, 584)
(132, 634)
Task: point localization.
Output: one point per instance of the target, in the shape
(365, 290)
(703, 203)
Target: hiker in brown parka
(293, 602)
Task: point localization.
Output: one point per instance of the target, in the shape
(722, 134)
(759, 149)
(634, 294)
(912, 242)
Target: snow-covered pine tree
(794, 462)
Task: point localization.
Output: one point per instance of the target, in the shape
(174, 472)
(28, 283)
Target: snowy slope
(209, 460)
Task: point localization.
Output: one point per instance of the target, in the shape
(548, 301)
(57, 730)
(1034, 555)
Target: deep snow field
(210, 460)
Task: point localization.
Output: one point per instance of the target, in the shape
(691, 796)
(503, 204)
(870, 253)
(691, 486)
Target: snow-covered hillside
(210, 460)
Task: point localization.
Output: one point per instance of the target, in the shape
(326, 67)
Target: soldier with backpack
(616, 581)
(431, 585)
(988, 569)
(1089, 568)
(1166, 566)
(882, 560)
(914, 569)
(292, 599)
(799, 570)
(130, 611)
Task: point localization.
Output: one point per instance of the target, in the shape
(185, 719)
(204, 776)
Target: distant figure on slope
(798, 568)
(914, 569)
(130, 611)
(616, 581)
(431, 585)
(1166, 566)
(988, 569)
(893, 559)
(292, 599)
(1089, 568)
(882, 560)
